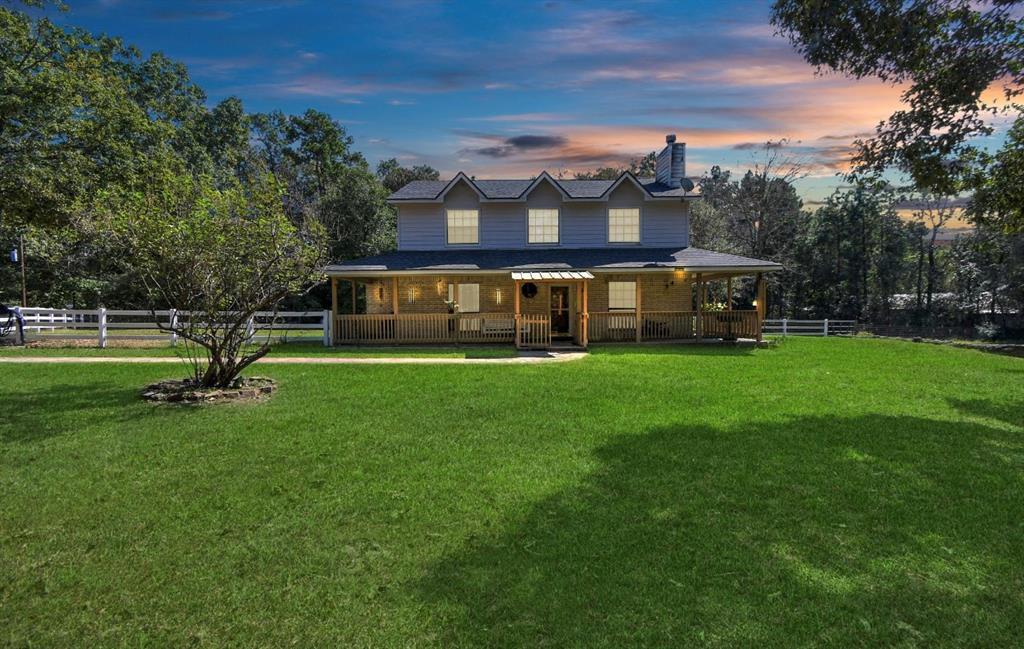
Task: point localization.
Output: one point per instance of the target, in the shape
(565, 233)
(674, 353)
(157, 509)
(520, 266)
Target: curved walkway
(525, 358)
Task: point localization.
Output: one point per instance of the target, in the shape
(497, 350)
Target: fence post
(326, 319)
(785, 322)
(101, 325)
(173, 320)
(826, 327)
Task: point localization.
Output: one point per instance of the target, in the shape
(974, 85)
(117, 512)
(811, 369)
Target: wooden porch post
(394, 308)
(700, 305)
(728, 293)
(577, 300)
(639, 314)
(762, 303)
(334, 309)
(586, 316)
(515, 300)
(352, 282)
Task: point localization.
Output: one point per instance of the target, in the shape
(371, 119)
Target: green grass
(295, 349)
(824, 492)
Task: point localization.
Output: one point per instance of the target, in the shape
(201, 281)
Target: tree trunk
(920, 277)
(931, 271)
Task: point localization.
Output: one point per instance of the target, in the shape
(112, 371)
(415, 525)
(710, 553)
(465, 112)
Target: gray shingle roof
(552, 259)
(512, 189)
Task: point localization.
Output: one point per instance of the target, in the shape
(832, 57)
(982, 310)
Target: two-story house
(538, 261)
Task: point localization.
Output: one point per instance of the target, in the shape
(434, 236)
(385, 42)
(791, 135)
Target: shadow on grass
(873, 530)
(1008, 413)
(60, 408)
(49, 410)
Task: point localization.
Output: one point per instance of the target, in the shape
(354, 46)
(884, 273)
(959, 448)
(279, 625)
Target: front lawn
(824, 492)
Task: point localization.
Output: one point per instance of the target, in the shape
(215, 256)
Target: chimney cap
(670, 138)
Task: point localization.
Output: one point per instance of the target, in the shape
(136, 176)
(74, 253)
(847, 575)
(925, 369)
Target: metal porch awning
(551, 275)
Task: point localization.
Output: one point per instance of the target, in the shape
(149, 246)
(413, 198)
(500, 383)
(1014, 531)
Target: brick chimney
(670, 166)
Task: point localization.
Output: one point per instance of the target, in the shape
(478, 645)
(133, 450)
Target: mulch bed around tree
(186, 391)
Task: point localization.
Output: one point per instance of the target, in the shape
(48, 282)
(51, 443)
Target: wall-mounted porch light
(411, 294)
(497, 296)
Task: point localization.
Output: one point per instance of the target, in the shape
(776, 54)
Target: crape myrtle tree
(219, 254)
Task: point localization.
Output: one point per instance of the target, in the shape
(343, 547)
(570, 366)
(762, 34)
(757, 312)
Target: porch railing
(730, 325)
(612, 326)
(671, 325)
(425, 328)
(667, 325)
(534, 331)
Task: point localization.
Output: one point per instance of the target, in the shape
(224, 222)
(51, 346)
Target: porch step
(567, 346)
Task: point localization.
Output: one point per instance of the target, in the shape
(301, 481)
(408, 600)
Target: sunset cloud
(563, 86)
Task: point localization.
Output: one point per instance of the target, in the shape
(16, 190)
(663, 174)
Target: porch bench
(499, 326)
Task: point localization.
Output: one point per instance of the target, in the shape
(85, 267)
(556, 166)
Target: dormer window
(624, 225)
(463, 227)
(542, 226)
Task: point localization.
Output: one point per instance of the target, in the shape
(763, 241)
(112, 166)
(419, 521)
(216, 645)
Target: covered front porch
(541, 309)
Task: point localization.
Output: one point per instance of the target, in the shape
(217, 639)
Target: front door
(559, 310)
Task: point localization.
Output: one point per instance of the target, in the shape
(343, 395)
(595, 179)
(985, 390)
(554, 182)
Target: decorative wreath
(529, 290)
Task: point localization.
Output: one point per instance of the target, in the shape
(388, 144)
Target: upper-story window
(542, 226)
(624, 225)
(463, 226)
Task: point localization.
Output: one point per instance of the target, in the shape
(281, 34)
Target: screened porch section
(541, 309)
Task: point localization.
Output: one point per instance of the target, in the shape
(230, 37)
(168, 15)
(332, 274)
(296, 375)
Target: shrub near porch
(826, 492)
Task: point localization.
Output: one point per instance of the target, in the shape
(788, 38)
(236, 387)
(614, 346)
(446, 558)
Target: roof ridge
(514, 189)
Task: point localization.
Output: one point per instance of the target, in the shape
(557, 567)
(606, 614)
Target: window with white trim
(542, 226)
(463, 226)
(468, 297)
(622, 296)
(624, 225)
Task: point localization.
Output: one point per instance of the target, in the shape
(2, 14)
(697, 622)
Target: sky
(508, 89)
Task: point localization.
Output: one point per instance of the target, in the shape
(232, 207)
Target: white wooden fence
(103, 325)
(114, 324)
(826, 327)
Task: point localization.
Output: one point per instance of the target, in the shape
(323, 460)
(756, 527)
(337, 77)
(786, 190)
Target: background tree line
(869, 252)
(84, 116)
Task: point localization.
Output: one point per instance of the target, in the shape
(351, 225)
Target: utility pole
(24, 286)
